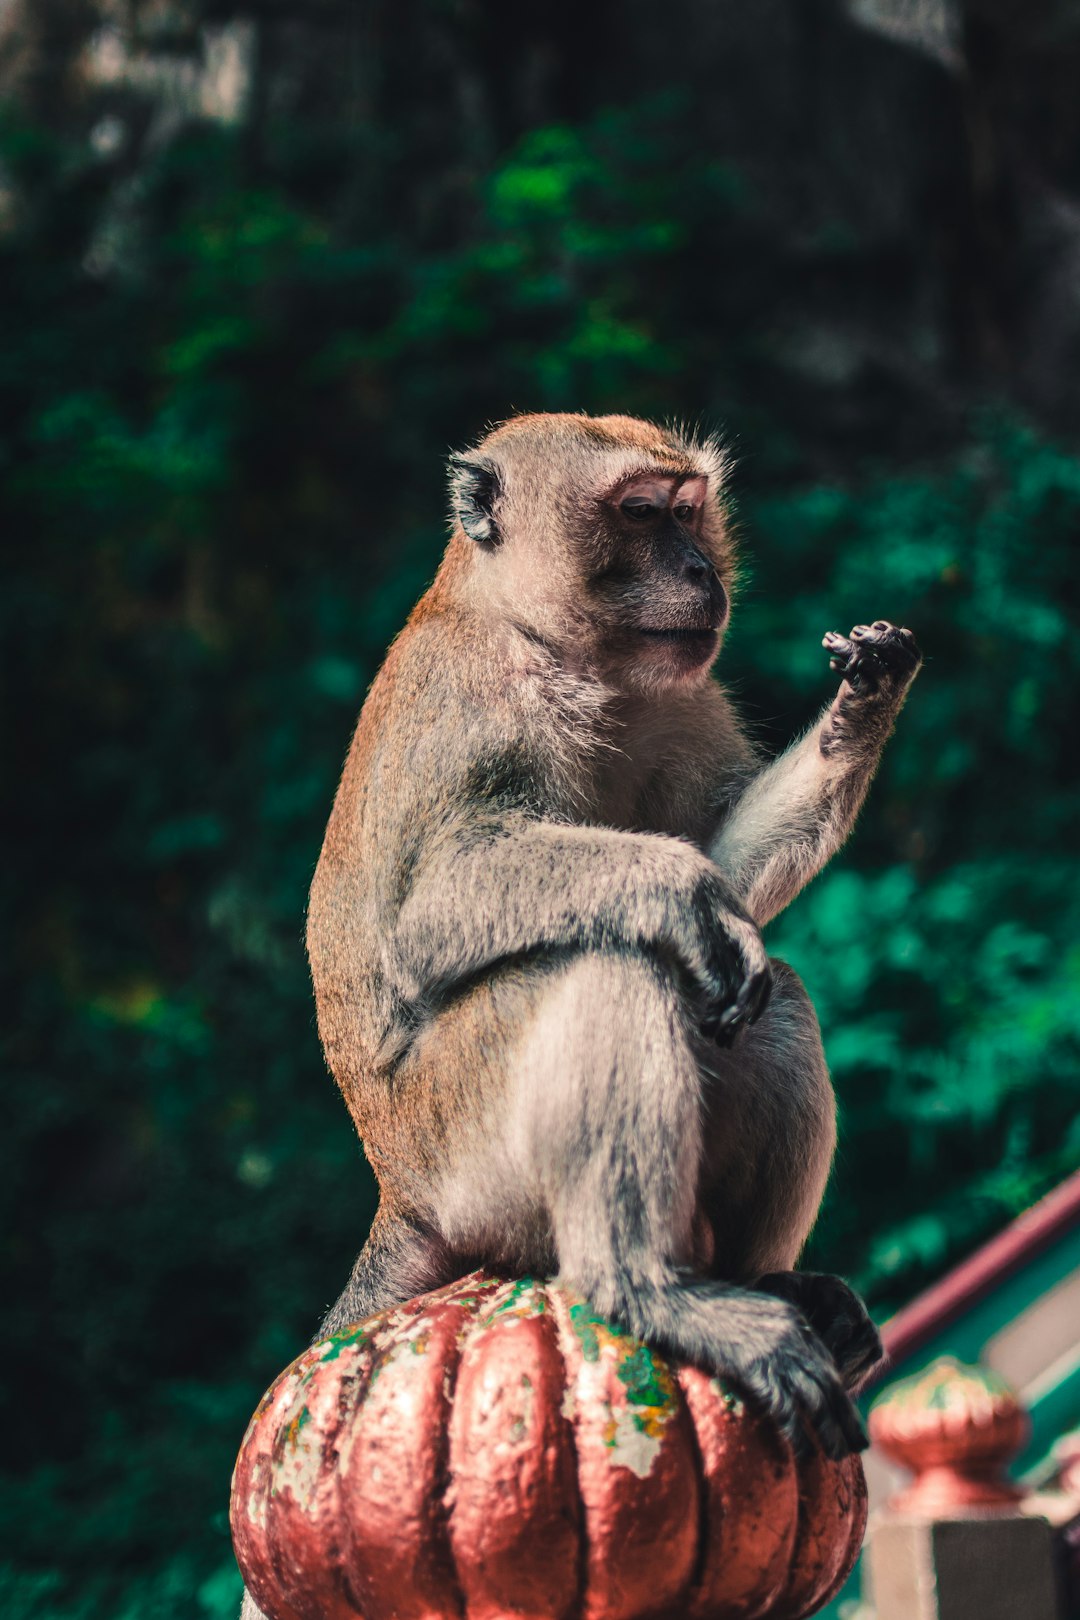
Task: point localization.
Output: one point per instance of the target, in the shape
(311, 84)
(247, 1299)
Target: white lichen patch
(258, 1501)
(404, 1352)
(522, 1419)
(631, 1444)
(301, 1461)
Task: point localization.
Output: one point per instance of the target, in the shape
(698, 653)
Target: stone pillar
(959, 1543)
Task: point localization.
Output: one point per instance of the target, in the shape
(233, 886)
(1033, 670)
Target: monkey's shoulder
(455, 695)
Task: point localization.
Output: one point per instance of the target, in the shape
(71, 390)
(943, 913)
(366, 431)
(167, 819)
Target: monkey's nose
(695, 570)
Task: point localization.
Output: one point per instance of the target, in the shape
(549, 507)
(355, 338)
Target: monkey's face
(601, 537)
(658, 603)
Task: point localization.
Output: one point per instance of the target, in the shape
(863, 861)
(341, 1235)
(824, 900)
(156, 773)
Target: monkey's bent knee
(788, 989)
(787, 1036)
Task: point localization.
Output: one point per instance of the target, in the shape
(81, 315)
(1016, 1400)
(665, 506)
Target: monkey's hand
(878, 663)
(733, 969)
(836, 1314)
(875, 659)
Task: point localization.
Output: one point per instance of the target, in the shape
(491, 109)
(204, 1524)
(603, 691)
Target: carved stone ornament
(956, 1428)
(495, 1448)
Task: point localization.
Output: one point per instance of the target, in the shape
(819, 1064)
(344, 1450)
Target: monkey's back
(445, 725)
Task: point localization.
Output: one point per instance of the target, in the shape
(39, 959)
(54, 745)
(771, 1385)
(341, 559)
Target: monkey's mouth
(689, 648)
(691, 638)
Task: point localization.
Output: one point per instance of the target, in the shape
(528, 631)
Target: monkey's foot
(760, 1341)
(874, 657)
(836, 1314)
(797, 1380)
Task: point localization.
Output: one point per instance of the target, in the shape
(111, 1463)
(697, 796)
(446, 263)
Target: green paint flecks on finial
(523, 1299)
(347, 1339)
(647, 1379)
(594, 1330)
(295, 1425)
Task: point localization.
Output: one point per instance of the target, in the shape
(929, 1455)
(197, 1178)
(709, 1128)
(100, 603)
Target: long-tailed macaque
(535, 925)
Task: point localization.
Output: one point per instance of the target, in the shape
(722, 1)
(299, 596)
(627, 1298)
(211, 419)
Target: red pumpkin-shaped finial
(955, 1427)
(495, 1448)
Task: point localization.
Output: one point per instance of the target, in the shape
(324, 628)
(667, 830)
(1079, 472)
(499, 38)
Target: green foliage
(941, 948)
(223, 415)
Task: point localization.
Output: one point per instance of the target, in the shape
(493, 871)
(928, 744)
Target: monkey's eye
(639, 510)
(684, 512)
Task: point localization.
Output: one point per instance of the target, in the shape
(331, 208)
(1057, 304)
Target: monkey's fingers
(840, 1433)
(892, 647)
(721, 1027)
(854, 1344)
(758, 990)
(803, 1393)
(836, 1314)
(828, 1409)
(747, 1008)
(840, 649)
(858, 1360)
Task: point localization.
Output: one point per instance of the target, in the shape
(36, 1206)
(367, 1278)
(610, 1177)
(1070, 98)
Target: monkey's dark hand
(735, 977)
(836, 1314)
(874, 658)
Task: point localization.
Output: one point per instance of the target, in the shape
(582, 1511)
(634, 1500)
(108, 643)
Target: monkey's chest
(647, 797)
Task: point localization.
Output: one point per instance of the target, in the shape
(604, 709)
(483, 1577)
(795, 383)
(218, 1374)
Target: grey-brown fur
(534, 925)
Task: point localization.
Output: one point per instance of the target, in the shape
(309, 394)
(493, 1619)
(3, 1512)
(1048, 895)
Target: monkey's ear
(474, 487)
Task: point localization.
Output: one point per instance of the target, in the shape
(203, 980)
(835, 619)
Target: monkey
(534, 928)
(535, 924)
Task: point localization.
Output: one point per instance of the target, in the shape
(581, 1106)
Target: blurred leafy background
(259, 269)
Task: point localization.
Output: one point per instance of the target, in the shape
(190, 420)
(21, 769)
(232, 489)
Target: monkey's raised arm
(797, 812)
(535, 885)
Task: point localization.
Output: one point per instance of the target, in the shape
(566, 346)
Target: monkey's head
(603, 537)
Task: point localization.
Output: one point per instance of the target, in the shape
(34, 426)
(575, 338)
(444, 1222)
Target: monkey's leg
(398, 1261)
(769, 1137)
(607, 1114)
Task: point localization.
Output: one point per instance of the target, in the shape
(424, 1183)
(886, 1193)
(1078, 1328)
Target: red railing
(1019, 1243)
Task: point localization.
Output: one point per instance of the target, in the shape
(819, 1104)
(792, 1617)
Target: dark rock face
(914, 167)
